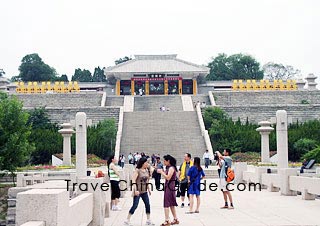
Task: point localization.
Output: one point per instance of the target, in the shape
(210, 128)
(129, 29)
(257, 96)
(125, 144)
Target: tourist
(195, 175)
(130, 158)
(114, 176)
(225, 161)
(157, 176)
(183, 172)
(141, 189)
(169, 201)
(304, 164)
(123, 159)
(119, 162)
(136, 158)
(206, 158)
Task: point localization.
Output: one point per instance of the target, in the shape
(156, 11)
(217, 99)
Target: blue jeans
(145, 199)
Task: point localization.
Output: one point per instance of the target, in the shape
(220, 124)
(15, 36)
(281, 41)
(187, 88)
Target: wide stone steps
(114, 101)
(96, 114)
(153, 103)
(162, 133)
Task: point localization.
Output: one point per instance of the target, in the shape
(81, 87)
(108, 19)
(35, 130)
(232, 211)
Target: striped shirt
(112, 174)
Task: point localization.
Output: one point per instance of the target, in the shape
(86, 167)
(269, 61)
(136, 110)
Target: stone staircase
(170, 132)
(153, 103)
(96, 114)
(114, 101)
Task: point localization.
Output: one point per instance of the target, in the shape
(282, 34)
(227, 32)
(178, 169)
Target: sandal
(175, 221)
(166, 223)
(197, 211)
(189, 212)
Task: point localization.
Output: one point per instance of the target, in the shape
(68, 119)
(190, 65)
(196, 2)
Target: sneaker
(128, 223)
(149, 222)
(182, 205)
(231, 207)
(117, 208)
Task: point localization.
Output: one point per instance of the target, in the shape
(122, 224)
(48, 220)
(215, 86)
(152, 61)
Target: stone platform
(251, 209)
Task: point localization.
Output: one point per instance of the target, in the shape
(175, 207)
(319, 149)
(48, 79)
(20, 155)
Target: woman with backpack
(141, 178)
(114, 176)
(225, 164)
(195, 175)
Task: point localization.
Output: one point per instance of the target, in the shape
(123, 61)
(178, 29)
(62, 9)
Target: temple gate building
(156, 75)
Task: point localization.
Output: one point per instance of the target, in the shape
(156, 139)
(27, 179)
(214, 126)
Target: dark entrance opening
(187, 86)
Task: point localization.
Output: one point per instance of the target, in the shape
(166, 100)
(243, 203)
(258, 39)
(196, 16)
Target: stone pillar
(265, 130)
(66, 132)
(81, 144)
(312, 85)
(282, 139)
(285, 174)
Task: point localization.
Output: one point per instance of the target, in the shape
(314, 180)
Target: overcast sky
(70, 34)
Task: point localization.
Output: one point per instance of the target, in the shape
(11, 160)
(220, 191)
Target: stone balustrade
(286, 181)
(308, 186)
(53, 207)
(34, 223)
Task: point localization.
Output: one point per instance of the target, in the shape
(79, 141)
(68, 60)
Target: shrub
(314, 154)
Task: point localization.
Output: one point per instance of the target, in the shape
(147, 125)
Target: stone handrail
(211, 98)
(103, 99)
(119, 133)
(34, 223)
(308, 186)
(204, 132)
(34, 205)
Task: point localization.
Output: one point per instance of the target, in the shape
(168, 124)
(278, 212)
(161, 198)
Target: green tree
(62, 78)
(301, 147)
(98, 75)
(102, 138)
(32, 68)
(237, 66)
(15, 148)
(2, 73)
(274, 71)
(44, 135)
(82, 75)
(122, 60)
(313, 154)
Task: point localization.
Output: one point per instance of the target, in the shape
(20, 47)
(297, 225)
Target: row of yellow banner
(44, 87)
(239, 85)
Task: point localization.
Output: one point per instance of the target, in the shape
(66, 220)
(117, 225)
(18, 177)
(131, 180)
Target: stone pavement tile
(251, 209)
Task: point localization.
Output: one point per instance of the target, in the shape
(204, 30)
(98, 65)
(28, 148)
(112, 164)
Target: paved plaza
(251, 209)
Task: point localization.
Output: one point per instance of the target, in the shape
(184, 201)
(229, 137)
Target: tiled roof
(156, 63)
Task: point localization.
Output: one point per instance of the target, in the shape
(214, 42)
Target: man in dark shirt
(157, 176)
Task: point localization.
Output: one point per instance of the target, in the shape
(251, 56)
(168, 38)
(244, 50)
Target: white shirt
(206, 155)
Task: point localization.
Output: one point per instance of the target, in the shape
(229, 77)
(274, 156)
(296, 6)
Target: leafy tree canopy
(237, 66)
(98, 75)
(122, 60)
(2, 73)
(14, 134)
(274, 71)
(82, 75)
(32, 68)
